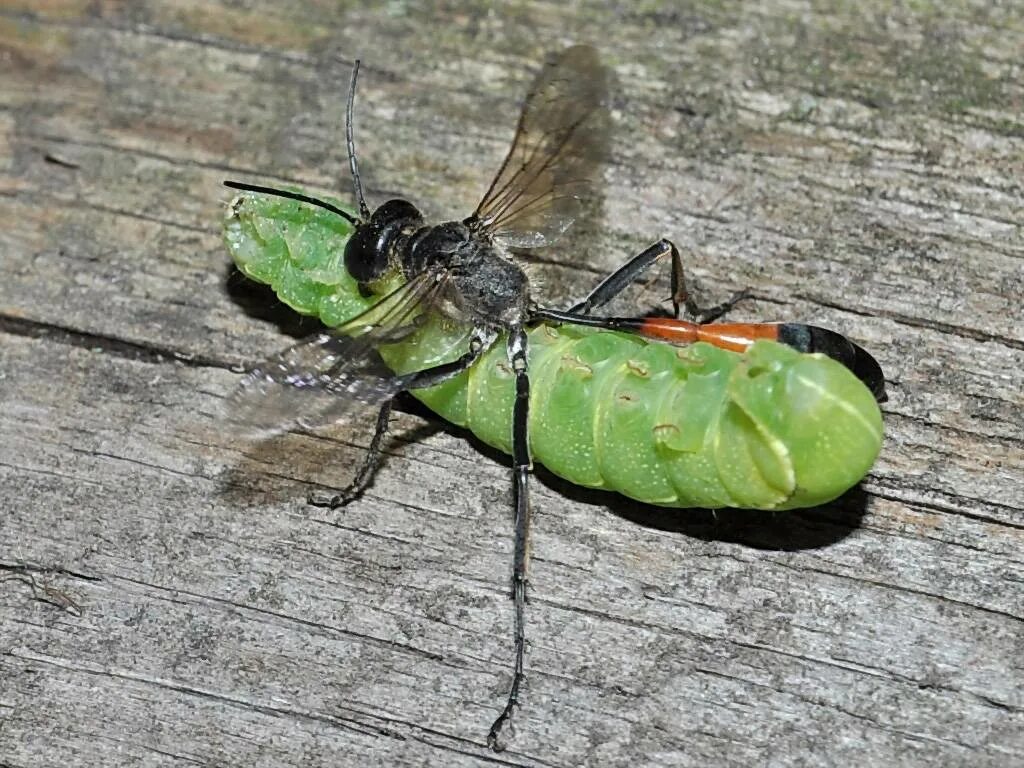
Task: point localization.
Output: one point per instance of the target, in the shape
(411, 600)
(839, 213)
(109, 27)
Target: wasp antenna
(292, 196)
(364, 211)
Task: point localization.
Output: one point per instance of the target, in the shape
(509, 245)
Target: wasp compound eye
(368, 252)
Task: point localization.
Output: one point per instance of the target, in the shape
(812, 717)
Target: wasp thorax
(443, 245)
(369, 251)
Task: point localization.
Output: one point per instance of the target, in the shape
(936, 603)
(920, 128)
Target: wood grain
(167, 598)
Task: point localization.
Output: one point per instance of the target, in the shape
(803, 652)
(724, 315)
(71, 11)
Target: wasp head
(371, 252)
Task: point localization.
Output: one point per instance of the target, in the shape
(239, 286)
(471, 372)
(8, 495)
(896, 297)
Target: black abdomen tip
(810, 338)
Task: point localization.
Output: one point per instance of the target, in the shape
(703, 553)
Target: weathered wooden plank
(206, 590)
(858, 167)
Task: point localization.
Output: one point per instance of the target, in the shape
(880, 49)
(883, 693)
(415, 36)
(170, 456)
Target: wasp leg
(371, 461)
(517, 354)
(428, 377)
(617, 281)
(705, 315)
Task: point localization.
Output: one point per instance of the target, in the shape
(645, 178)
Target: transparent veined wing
(556, 155)
(322, 378)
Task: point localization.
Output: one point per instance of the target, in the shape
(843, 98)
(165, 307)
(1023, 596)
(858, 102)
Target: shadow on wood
(259, 301)
(778, 531)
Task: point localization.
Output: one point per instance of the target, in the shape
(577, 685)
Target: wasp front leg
(371, 462)
(428, 377)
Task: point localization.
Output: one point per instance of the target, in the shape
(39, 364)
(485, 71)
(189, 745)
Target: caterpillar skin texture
(693, 426)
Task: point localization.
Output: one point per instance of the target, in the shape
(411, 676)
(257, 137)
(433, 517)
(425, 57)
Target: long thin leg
(617, 281)
(517, 354)
(705, 315)
(371, 461)
(428, 377)
(439, 374)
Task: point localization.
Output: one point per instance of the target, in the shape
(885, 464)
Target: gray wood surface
(167, 598)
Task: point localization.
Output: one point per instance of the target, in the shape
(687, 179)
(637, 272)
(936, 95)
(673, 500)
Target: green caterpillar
(742, 421)
(693, 426)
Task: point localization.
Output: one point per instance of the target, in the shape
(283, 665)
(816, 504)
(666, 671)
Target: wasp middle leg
(517, 355)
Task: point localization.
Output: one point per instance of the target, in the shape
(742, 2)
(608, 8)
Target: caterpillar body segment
(298, 251)
(684, 424)
(693, 426)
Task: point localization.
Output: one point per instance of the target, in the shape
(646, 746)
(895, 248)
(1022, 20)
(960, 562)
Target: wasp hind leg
(617, 281)
(704, 315)
(629, 272)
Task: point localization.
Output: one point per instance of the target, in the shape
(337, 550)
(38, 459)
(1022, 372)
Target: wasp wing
(559, 146)
(326, 376)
